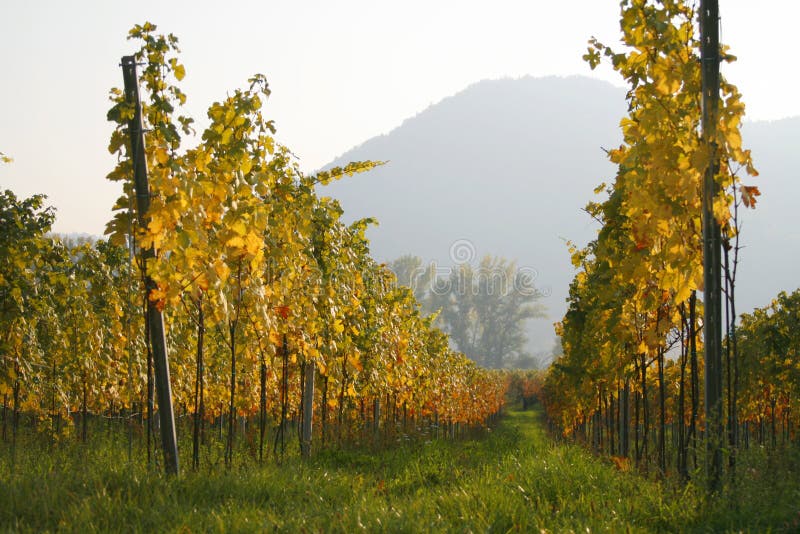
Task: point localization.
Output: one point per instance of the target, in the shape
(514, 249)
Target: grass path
(515, 479)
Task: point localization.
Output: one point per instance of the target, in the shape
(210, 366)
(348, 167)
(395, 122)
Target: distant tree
(484, 311)
(411, 272)
(545, 358)
(527, 361)
(73, 240)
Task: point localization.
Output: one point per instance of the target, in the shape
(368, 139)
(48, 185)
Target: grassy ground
(513, 479)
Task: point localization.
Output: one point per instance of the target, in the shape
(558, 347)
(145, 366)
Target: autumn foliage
(630, 380)
(257, 276)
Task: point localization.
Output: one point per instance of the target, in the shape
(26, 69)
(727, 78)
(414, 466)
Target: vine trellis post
(155, 319)
(712, 245)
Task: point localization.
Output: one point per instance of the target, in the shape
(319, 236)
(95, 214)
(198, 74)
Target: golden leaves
(239, 229)
(253, 243)
(683, 292)
(162, 156)
(235, 242)
(222, 270)
(337, 326)
(647, 259)
(178, 70)
(226, 136)
(666, 78)
(355, 362)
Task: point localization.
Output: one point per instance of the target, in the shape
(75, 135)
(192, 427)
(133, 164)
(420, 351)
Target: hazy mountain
(508, 166)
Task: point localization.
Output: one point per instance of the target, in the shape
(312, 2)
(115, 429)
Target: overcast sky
(340, 71)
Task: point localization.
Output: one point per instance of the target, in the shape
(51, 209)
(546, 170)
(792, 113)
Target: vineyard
(233, 330)
(633, 381)
(271, 304)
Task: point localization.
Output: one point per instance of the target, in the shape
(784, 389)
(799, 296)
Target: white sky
(340, 72)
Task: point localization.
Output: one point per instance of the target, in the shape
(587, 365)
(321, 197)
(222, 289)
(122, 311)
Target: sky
(340, 72)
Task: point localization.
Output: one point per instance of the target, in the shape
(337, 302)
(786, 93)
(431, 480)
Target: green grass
(513, 479)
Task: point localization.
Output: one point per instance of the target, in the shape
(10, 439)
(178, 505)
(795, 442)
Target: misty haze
(510, 164)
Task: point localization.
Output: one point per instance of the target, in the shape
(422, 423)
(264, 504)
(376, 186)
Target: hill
(508, 165)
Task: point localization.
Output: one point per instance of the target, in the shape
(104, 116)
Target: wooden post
(712, 245)
(155, 320)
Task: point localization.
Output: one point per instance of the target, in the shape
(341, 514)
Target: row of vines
(256, 275)
(630, 381)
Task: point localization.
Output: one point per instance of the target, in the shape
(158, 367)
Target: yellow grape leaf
(222, 270)
(721, 210)
(592, 57)
(734, 139)
(246, 164)
(161, 155)
(220, 192)
(355, 361)
(239, 227)
(202, 281)
(666, 82)
(201, 159)
(683, 293)
(274, 337)
(252, 243)
(235, 242)
(226, 136)
(230, 113)
(337, 326)
(155, 225)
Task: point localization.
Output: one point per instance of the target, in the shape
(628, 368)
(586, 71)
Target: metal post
(308, 408)
(712, 245)
(155, 319)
